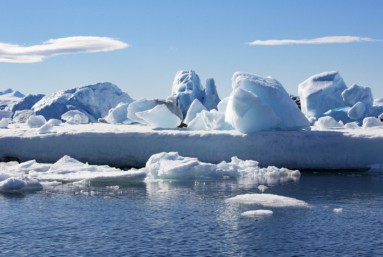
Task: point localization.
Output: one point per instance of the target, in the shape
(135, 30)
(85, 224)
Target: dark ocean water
(182, 218)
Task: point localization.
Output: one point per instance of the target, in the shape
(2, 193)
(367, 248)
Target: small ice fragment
(372, 122)
(46, 128)
(257, 213)
(36, 121)
(54, 122)
(262, 188)
(338, 209)
(72, 114)
(11, 184)
(3, 123)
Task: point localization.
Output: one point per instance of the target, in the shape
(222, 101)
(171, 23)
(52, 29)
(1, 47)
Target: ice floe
(267, 200)
(257, 213)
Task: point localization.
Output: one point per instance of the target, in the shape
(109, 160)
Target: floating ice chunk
(3, 123)
(357, 111)
(160, 117)
(321, 92)
(267, 200)
(371, 122)
(70, 115)
(212, 98)
(54, 122)
(5, 114)
(327, 122)
(356, 94)
(22, 116)
(338, 209)
(246, 112)
(272, 94)
(352, 125)
(195, 108)
(12, 184)
(36, 121)
(46, 128)
(262, 188)
(223, 104)
(257, 213)
(118, 114)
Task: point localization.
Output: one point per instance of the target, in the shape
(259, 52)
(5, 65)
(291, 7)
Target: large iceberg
(27, 102)
(94, 101)
(321, 93)
(246, 113)
(187, 87)
(272, 94)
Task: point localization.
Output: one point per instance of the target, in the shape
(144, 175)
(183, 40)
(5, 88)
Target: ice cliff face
(187, 87)
(94, 101)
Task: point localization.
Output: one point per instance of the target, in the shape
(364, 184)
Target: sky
(47, 46)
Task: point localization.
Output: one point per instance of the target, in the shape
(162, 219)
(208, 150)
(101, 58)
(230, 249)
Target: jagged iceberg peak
(95, 101)
(321, 93)
(187, 87)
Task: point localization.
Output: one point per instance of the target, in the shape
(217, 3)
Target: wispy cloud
(53, 47)
(321, 40)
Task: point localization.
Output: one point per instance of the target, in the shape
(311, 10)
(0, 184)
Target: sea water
(193, 218)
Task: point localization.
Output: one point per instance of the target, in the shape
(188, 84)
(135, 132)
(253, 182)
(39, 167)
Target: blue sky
(207, 36)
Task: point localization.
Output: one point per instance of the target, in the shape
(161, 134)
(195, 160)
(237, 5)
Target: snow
(70, 115)
(160, 117)
(119, 114)
(327, 122)
(321, 92)
(357, 111)
(3, 123)
(54, 122)
(371, 122)
(22, 116)
(5, 114)
(36, 121)
(257, 213)
(267, 200)
(195, 108)
(95, 101)
(132, 145)
(46, 128)
(26, 103)
(247, 114)
(272, 94)
(356, 94)
(173, 166)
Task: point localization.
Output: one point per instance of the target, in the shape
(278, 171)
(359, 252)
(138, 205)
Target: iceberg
(321, 92)
(272, 94)
(36, 121)
(195, 108)
(356, 94)
(357, 111)
(160, 117)
(94, 101)
(71, 114)
(247, 114)
(26, 103)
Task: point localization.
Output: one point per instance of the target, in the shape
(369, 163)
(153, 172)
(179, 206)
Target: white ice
(46, 128)
(327, 122)
(195, 108)
(140, 106)
(371, 122)
(357, 111)
(160, 117)
(356, 93)
(74, 120)
(36, 121)
(257, 213)
(3, 123)
(22, 116)
(119, 114)
(209, 120)
(352, 125)
(321, 92)
(54, 122)
(338, 209)
(267, 200)
(247, 114)
(223, 104)
(70, 115)
(272, 94)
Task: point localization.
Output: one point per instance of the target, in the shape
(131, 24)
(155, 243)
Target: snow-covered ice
(54, 122)
(356, 93)
(8, 98)
(95, 101)
(257, 213)
(70, 115)
(321, 92)
(36, 121)
(371, 122)
(327, 122)
(3, 123)
(357, 111)
(267, 200)
(159, 117)
(351, 125)
(272, 94)
(247, 114)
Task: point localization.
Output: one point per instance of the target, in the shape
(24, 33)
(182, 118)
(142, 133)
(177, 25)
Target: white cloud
(53, 47)
(321, 40)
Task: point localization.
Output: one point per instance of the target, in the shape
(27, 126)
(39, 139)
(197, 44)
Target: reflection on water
(174, 218)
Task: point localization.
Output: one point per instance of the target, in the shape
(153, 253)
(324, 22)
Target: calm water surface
(181, 218)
